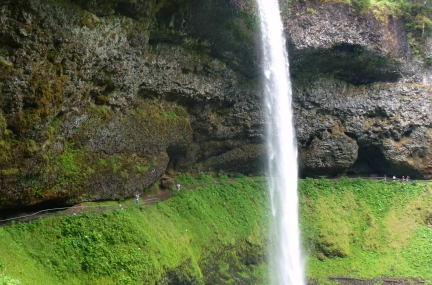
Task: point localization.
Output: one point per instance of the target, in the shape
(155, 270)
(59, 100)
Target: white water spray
(282, 149)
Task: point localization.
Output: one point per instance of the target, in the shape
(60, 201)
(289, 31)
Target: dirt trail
(27, 215)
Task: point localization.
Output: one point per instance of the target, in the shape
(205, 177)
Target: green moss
(44, 97)
(363, 5)
(416, 15)
(87, 21)
(10, 172)
(350, 226)
(75, 169)
(205, 178)
(115, 164)
(102, 162)
(125, 174)
(169, 114)
(6, 280)
(197, 237)
(140, 167)
(239, 175)
(5, 62)
(71, 162)
(97, 113)
(161, 122)
(31, 147)
(185, 179)
(5, 140)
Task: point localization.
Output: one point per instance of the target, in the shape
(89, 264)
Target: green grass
(15, 261)
(6, 280)
(210, 231)
(186, 179)
(169, 114)
(217, 234)
(366, 229)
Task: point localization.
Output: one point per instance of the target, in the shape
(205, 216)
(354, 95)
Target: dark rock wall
(381, 128)
(362, 100)
(98, 105)
(100, 98)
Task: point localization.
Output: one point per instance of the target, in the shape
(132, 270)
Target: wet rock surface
(100, 98)
(90, 91)
(388, 123)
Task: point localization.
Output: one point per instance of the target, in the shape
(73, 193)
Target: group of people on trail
(407, 179)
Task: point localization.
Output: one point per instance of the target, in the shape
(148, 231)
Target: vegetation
(211, 234)
(418, 19)
(5, 140)
(351, 226)
(416, 14)
(216, 234)
(6, 280)
(187, 180)
(73, 173)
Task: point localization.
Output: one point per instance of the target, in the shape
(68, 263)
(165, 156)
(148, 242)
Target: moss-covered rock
(111, 95)
(177, 84)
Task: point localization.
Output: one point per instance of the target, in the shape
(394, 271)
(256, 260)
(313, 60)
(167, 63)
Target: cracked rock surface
(99, 99)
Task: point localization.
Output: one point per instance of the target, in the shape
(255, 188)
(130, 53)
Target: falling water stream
(286, 259)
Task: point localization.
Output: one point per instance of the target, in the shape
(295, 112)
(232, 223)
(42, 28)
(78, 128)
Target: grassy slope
(214, 227)
(361, 228)
(353, 228)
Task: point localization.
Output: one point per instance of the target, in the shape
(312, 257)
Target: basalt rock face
(362, 102)
(379, 128)
(100, 98)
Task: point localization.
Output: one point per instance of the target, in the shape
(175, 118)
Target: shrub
(185, 179)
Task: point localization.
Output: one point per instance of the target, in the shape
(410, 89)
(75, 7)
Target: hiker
(408, 179)
(385, 177)
(136, 199)
(394, 177)
(178, 187)
(403, 179)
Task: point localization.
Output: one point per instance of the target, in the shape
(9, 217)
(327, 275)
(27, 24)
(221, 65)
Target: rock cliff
(363, 96)
(100, 98)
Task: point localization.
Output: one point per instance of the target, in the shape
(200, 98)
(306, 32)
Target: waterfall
(286, 263)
